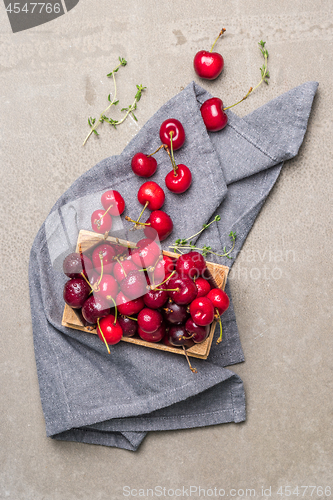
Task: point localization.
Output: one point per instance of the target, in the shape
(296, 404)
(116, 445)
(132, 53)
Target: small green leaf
(95, 132)
(135, 118)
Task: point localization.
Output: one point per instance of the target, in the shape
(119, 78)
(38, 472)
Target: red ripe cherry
(149, 320)
(143, 165)
(110, 330)
(202, 311)
(154, 336)
(95, 307)
(208, 65)
(146, 253)
(163, 269)
(191, 264)
(184, 289)
(154, 299)
(179, 181)
(76, 292)
(134, 285)
(128, 325)
(198, 333)
(101, 222)
(160, 223)
(203, 287)
(219, 299)
(121, 269)
(75, 264)
(174, 128)
(152, 194)
(213, 115)
(105, 253)
(175, 313)
(107, 288)
(127, 306)
(178, 336)
(113, 202)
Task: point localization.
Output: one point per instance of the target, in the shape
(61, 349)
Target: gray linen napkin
(114, 400)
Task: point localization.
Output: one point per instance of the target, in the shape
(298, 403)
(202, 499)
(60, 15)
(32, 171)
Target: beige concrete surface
(52, 78)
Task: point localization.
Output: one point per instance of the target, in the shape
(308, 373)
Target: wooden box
(217, 276)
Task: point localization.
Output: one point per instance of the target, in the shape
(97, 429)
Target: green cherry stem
(115, 310)
(105, 342)
(98, 221)
(175, 168)
(219, 340)
(130, 317)
(160, 147)
(102, 269)
(220, 34)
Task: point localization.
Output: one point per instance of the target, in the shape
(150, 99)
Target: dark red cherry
(208, 65)
(154, 299)
(203, 286)
(75, 264)
(155, 336)
(160, 223)
(127, 306)
(175, 313)
(101, 222)
(76, 291)
(184, 289)
(103, 253)
(134, 285)
(109, 331)
(219, 299)
(122, 268)
(152, 193)
(213, 115)
(198, 333)
(178, 336)
(191, 264)
(93, 308)
(129, 326)
(149, 320)
(143, 165)
(172, 127)
(202, 311)
(107, 288)
(115, 199)
(179, 181)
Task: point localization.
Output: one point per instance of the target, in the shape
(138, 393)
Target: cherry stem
(137, 222)
(105, 342)
(98, 221)
(173, 272)
(175, 167)
(160, 147)
(220, 322)
(115, 311)
(102, 268)
(220, 34)
(193, 370)
(83, 276)
(130, 317)
(121, 266)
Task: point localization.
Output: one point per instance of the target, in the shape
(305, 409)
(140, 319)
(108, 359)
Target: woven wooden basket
(217, 276)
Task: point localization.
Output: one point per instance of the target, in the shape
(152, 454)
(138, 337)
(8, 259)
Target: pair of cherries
(172, 136)
(114, 205)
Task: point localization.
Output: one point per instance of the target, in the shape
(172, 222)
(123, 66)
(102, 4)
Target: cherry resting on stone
(209, 65)
(213, 114)
(143, 165)
(172, 133)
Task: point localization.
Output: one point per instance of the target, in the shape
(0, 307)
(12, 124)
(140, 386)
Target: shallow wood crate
(217, 275)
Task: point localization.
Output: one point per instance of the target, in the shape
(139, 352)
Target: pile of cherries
(141, 292)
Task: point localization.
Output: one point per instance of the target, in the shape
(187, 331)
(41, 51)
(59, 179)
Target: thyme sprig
(131, 108)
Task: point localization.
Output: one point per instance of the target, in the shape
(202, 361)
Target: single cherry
(122, 268)
(128, 325)
(184, 289)
(103, 257)
(109, 330)
(149, 320)
(75, 264)
(151, 195)
(143, 165)
(113, 202)
(134, 285)
(178, 336)
(76, 292)
(154, 299)
(175, 313)
(213, 115)
(146, 253)
(202, 311)
(208, 65)
(160, 223)
(198, 333)
(163, 269)
(203, 286)
(191, 264)
(101, 222)
(95, 307)
(128, 307)
(219, 299)
(179, 179)
(155, 336)
(172, 133)
(107, 288)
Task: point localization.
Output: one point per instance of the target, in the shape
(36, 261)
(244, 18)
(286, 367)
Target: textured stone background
(52, 78)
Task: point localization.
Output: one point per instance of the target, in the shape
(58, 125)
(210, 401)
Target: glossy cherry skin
(198, 333)
(178, 134)
(107, 288)
(163, 269)
(134, 285)
(101, 223)
(150, 191)
(175, 313)
(95, 307)
(128, 325)
(75, 264)
(202, 311)
(208, 65)
(155, 336)
(115, 199)
(111, 330)
(213, 115)
(179, 182)
(146, 254)
(160, 223)
(143, 165)
(219, 299)
(105, 253)
(127, 306)
(191, 264)
(184, 288)
(121, 269)
(203, 287)
(178, 336)
(154, 299)
(76, 291)
(149, 320)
